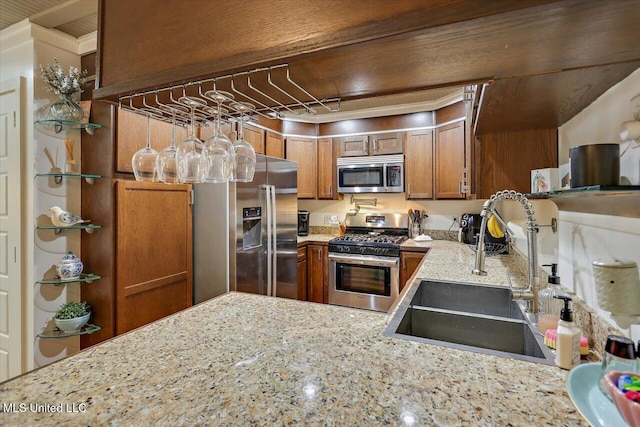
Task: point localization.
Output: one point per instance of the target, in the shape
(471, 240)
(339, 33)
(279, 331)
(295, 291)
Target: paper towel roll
(630, 130)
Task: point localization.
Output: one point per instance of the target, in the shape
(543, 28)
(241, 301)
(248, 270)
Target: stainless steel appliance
(245, 234)
(364, 263)
(303, 223)
(469, 227)
(595, 164)
(371, 174)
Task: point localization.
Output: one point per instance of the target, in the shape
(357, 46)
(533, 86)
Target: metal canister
(595, 164)
(617, 285)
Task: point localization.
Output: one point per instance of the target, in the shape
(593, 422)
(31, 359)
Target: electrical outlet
(327, 218)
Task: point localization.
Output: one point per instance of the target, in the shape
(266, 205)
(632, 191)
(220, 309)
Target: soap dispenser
(568, 337)
(550, 306)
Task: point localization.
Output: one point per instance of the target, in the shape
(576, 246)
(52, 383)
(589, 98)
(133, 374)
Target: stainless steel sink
(469, 298)
(470, 317)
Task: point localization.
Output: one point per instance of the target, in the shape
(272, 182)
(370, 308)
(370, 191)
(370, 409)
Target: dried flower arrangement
(61, 83)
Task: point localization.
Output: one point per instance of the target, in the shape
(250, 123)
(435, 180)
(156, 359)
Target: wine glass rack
(271, 90)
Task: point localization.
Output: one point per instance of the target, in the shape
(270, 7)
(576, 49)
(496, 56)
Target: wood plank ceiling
(546, 60)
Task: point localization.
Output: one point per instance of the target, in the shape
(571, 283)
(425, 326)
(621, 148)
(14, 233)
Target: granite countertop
(247, 359)
(322, 238)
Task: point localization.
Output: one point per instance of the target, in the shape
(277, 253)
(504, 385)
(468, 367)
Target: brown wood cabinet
(317, 273)
(450, 161)
(255, 137)
(409, 262)
(418, 164)
(302, 273)
(206, 132)
(327, 185)
(143, 250)
(354, 146)
(303, 151)
(132, 136)
(494, 159)
(385, 143)
(275, 145)
(153, 252)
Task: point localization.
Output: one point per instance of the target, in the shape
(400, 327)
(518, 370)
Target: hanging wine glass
(218, 152)
(244, 165)
(166, 161)
(188, 157)
(143, 161)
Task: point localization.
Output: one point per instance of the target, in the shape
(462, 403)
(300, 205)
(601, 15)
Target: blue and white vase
(69, 267)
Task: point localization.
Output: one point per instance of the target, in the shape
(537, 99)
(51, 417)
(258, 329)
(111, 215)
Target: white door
(10, 232)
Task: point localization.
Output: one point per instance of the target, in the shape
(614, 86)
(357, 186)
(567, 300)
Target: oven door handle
(365, 260)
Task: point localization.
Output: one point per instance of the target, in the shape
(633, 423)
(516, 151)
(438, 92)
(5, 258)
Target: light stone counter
(245, 359)
(323, 238)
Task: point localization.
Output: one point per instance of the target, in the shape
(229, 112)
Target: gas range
(364, 263)
(372, 234)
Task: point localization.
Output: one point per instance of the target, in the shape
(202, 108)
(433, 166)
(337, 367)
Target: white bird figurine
(62, 218)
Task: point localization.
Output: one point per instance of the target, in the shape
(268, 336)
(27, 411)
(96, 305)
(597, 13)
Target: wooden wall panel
(299, 128)
(98, 204)
(451, 112)
(548, 100)
(375, 124)
(287, 29)
(505, 160)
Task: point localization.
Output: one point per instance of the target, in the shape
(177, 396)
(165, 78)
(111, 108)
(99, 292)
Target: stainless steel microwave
(371, 174)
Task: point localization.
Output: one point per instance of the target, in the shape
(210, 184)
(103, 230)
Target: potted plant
(72, 316)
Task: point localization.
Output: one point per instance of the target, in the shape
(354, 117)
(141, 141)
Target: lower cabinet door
(409, 262)
(317, 264)
(153, 252)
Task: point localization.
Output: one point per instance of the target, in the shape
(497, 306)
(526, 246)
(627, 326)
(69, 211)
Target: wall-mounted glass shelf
(58, 333)
(90, 178)
(56, 281)
(89, 228)
(59, 125)
(619, 200)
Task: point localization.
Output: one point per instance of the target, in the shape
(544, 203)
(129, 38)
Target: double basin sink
(472, 317)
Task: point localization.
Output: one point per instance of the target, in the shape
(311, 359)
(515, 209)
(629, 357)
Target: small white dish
(422, 238)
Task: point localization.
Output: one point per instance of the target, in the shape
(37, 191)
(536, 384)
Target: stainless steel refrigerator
(245, 234)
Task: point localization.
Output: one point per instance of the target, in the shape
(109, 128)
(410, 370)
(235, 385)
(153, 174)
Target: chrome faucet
(488, 209)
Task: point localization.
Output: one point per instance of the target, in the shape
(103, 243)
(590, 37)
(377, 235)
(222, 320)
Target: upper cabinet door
(326, 169)
(354, 146)
(303, 151)
(255, 137)
(418, 164)
(385, 143)
(275, 145)
(450, 161)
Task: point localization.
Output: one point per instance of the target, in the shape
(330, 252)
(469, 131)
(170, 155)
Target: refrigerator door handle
(274, 239)
(267, 191)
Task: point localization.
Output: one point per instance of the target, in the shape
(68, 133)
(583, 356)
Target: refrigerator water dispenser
(251, 227)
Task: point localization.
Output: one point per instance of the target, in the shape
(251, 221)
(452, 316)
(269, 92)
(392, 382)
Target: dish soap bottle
(550, 306)
(568, 338)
